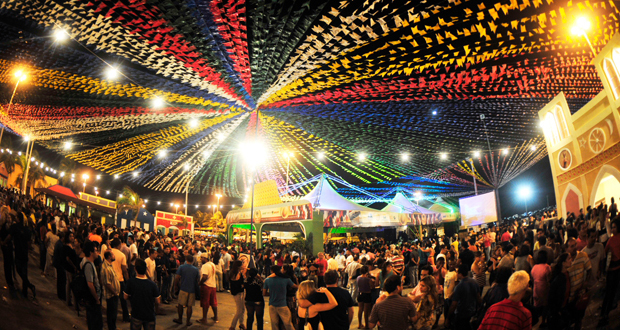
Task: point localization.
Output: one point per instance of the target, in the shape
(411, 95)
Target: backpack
(79, 287)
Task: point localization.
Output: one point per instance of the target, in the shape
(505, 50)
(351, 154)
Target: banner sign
(97, 200)
(294, 211)
(167, 220)
(377, 219)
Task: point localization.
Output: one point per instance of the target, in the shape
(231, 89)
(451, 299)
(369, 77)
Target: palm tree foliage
(130, 200)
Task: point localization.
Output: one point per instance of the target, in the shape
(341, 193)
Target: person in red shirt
(509, 314)
(506, 236)
(613, 273)
(322, 263)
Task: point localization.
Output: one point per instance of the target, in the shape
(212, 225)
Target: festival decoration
(384, 95)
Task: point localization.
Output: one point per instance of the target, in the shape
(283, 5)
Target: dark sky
(539, 178)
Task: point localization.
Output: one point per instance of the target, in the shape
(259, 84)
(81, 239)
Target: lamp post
(85, 177)
(218, 200)
(581, 27)
(21, 76)
(29, 148)
(473, 175)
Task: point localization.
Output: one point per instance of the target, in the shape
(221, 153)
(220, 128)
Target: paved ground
(48, 312)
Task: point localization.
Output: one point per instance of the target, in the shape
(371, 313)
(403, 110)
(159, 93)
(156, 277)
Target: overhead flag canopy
(165, 94)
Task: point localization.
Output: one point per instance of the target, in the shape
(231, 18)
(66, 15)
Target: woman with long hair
(365, 284)
(559, 293)
(237, 271)
(386, 271)
(254, 301)
(310, 315)
(425, 314)
(479, 270)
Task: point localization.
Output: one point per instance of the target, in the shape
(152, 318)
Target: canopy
(401, 204)
(324, 197)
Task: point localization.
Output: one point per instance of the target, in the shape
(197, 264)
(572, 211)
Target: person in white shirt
(351, 271)
(208, 284)
(150, 265)
(332, 264)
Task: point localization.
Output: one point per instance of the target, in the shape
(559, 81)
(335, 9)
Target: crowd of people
(512, 276)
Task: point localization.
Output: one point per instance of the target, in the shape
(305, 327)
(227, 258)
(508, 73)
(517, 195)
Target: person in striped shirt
(509, 314)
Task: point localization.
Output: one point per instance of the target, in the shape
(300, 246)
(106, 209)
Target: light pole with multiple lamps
(21, 76)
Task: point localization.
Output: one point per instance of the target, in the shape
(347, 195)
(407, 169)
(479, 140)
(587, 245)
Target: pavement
(49, 312)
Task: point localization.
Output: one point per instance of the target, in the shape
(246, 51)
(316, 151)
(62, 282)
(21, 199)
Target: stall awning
(65, 193)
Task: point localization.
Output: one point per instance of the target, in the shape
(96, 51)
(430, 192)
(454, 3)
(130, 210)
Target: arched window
(561, 122)
(551, 128)
(612, 74)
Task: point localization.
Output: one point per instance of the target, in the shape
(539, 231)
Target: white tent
(401, 204)
(324, 197)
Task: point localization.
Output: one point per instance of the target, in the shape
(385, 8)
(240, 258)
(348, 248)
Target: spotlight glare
(533, 147)
(146, 201)
(477, 154)
(505, 151)
(107, 192)
(186, 166)
(434, 112)
(115, 176)
(135, 174)
(221, 137)
(111, 73)
(158, 102)
(121, 195)
(67, 145)
(321, 155)
(193, 123)
(27, 138)
(581, 26)
(61, 34)
(158, 203)
(443, 156)
(361, 156)
(162, 153)
(404, 157)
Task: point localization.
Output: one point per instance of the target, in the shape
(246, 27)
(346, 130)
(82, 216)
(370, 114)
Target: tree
(9, 161)
(130, 201)
(68, 167)
(35, 172)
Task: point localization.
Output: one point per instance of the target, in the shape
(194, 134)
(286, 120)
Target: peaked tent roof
(324, 197)
(58, 191)
(401, 204)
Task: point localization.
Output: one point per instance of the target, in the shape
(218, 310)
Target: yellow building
(584, 148)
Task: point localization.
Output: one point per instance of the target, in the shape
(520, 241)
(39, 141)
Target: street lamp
(417, 196)
(580, 28)
(254, 153)
(85, 177)
(20, 76)
(525, 192)
(218, 199)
